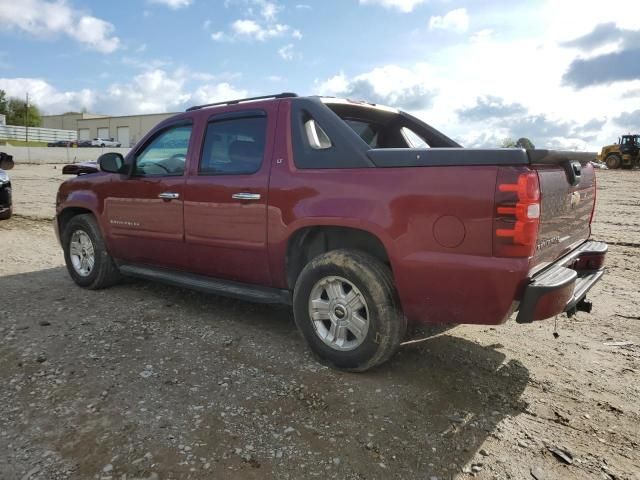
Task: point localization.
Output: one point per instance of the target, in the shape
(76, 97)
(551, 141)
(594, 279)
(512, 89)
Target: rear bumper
(564, 285)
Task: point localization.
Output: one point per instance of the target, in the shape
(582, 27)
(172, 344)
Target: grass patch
(22, 143)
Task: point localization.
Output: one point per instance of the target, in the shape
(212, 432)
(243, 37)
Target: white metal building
(126, 130)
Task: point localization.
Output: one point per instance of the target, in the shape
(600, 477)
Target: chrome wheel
(81, 253)
(339, 313)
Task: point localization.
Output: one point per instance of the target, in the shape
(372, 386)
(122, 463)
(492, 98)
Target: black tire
(387, 324)
(104, 272)
(613, 161)
(6, 215)
(102, 145)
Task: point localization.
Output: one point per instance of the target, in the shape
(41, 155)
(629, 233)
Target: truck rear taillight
(517, 215)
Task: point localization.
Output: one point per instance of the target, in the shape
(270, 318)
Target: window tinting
(234, 146)
(367, 131)
(166, 154)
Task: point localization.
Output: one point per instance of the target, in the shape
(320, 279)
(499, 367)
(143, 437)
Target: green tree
(3, 102)
(16, 113)
(525, 143)
(508, 143)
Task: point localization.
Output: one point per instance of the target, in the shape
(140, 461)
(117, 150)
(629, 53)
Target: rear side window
(234, 146)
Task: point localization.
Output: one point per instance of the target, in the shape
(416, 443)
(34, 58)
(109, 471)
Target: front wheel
(613, 161)
(86, 256)
(347, 309)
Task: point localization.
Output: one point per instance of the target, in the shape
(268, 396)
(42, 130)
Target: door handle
(246, 196)
(169, 195)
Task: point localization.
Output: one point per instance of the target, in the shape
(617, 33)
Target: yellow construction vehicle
(624, 154)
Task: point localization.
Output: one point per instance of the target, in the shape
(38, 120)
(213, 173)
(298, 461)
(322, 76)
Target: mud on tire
(104, 272)
(372, 282)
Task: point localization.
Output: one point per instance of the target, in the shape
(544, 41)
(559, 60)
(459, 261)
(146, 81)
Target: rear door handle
(169, 196)
(246, 196)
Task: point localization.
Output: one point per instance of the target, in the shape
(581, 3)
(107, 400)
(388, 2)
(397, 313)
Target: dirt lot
(148, 381)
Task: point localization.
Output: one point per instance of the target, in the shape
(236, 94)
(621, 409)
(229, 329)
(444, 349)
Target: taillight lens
(517, 214)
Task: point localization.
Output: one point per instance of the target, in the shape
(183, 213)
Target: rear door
(567, 191)
(145, 211)
(226, 196)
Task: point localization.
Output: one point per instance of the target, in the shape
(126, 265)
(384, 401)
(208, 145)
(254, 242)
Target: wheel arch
(64, 217)
(310, 241)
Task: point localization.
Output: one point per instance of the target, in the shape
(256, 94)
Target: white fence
(50, 155)
(35, 134)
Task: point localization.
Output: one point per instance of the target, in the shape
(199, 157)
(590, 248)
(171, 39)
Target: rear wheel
(613, 161)
(85, 254)
(6, 215)
(347, 310)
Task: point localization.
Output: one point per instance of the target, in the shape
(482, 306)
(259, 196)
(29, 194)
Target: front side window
(234, 146)
(166, 154)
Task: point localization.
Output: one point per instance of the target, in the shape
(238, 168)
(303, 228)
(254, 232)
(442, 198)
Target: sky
(564, 73)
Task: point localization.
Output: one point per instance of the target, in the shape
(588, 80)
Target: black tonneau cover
(432, 157)
(425, 157)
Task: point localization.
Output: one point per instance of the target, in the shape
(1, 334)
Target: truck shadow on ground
(426, 413)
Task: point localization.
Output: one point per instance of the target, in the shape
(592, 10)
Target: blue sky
(478, 70)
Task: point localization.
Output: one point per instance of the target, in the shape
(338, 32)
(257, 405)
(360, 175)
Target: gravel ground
(145, 381)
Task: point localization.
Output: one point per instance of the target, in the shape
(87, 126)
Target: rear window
(366, 131)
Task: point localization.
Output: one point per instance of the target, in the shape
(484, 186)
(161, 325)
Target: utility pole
(26, 115)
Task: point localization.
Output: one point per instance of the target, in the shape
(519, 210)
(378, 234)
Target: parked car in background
(104, 142)
(61, 143)
(85, 143)
(360, 216)
(6, 203)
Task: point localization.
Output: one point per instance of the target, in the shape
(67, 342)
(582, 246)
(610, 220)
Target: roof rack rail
(240, 100)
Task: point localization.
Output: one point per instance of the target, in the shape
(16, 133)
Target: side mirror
(6, 161)
(111, 162)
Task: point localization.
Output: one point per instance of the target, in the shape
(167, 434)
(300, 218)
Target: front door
(144, 212)
(226, 197)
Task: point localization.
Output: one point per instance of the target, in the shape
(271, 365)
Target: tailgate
(567, 190)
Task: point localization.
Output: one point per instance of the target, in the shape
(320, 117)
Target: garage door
(103, 133)
(83, 134)
(123, 136)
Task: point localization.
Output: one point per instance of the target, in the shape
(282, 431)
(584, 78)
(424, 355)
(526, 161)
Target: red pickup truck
(362, 217)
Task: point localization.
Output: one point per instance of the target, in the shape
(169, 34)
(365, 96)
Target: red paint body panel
(434, 222)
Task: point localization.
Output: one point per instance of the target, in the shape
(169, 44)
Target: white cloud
(456, 20)
(269, 10)
(405, 6)
(217, 93)
(259, 22)
(389, 85)
(251, 29)
(173, 4)
(44, 19)
(218, 36)
(152, 91)
(47, 97)
(287, 53)
(482, 35)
